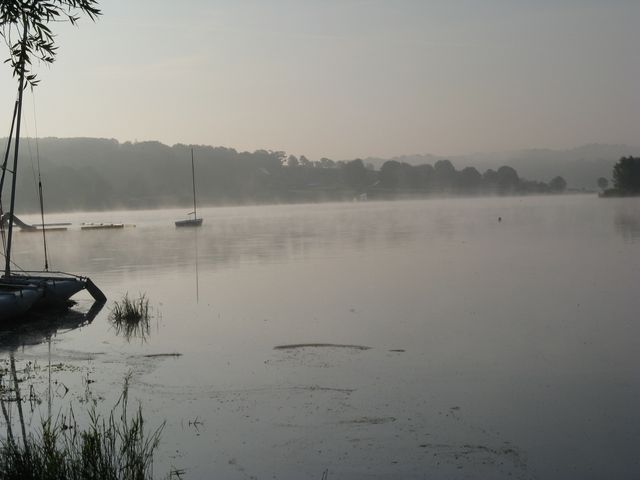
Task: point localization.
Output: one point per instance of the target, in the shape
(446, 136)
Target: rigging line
(44, 235)
(27, 138)
(12, 204)
(4, 171)
(13, 263)
(8, 150)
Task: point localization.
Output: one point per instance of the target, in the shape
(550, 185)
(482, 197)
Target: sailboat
(22, 290)
(195, 221)
(15, 299)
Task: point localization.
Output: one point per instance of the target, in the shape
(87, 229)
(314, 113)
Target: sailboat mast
(193, 180)
(23, 53)
(9, 139)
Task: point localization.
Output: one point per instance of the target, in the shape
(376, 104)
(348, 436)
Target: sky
(344, 78)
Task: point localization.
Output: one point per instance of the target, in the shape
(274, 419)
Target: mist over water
(496, 349)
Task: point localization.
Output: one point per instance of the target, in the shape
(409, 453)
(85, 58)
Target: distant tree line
(626, 178)
(443, 178)
(99, 174)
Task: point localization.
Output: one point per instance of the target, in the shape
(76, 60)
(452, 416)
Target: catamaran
(22, 290)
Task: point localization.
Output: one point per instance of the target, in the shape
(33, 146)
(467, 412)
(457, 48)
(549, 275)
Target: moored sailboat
(15, 299)
(22, 290)
(195, 221)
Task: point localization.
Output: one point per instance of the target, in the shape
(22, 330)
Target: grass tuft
(130, 318)
(131, 311)
(117, 447)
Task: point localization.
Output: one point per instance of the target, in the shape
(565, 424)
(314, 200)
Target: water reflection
(36, 328)
(39, 326)
(195, 249)
(132, 331)
(227, 241)
(627, 223)
(481, 334)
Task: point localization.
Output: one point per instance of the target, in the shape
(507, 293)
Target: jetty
(38, 227)
(100, 226)
(61, 226)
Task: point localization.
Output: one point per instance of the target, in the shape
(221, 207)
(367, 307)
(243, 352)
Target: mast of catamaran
(7, 151)
(193, 180)
(23, 50)
(4, 172)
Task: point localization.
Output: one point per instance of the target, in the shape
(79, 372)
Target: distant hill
(580, 167)
(98, 174)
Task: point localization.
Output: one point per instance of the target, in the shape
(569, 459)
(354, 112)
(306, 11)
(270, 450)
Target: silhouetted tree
(355, 174)
(470, 179)
(490, 180)
(603, 183)
(557, 185)
(445, 175)
(327, 163)
(626, 175)
(508, 180)
(390, 174)
(527, 186)
(423, 175)
(268, 159)
(292, 161)
(304, 161)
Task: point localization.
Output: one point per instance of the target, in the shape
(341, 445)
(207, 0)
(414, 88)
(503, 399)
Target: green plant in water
(117, 447)
(130, 318)
(132, 311)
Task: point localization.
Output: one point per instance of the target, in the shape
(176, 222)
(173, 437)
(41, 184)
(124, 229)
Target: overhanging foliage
(25, 28)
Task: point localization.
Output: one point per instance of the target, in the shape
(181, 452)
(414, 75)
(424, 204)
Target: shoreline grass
(115, 447)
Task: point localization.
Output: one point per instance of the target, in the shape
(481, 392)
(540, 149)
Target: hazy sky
(346, 78)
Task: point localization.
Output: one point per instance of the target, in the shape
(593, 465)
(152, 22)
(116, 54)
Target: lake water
(496, 349)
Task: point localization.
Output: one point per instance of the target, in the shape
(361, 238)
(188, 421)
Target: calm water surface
(497, 349)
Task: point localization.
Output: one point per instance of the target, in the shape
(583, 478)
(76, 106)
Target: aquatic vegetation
(117, 447)
(130, 311)
(130, 318)
(320, 345)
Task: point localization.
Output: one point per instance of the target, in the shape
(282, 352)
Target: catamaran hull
(58, 292)
(57, 288)
(16, 302)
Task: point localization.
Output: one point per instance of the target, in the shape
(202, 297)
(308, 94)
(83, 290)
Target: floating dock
(100, 226)
(49, 227)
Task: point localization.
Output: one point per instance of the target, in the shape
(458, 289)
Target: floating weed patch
(320, 345)
(130, 318)
(117, 447)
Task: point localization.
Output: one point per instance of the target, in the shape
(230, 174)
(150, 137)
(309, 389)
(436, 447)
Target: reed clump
(116, 447)
(131, 311)
(130, 318)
